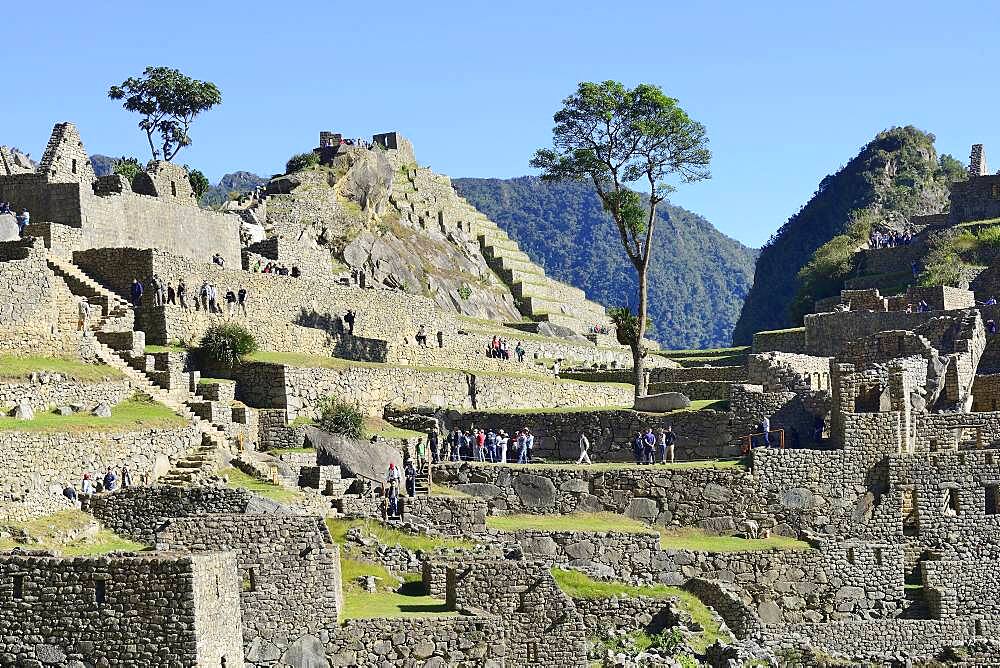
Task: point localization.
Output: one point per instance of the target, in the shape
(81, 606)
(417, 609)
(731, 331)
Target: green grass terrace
(19, 368)
(671, 538)
(53, 532)
(135, 414)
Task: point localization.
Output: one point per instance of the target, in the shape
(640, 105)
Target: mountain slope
(894, 176)
(698, 276)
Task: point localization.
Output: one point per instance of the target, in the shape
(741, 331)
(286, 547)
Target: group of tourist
(92, 483)
(23, 218)
(890, 239)
(206, 299)
(275, 268)
(646, 445)
(482, 445)
(499, 348)
(600, 329)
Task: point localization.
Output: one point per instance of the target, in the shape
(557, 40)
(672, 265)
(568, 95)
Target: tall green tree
(199, 182)
(168, 102)
(617, 137)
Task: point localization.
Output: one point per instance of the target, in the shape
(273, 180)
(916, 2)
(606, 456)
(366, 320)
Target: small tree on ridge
(614, 136)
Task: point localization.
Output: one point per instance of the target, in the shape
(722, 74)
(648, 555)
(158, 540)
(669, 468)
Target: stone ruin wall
(477, 640)
(542, 625)
(137, 512)
(66, 392)
(299, 390)
(701, 434)
(157, 610)
(39, 467)
(777, 371)
(290, 570)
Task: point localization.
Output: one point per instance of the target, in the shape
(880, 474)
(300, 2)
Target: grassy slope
(238, 479)
(390, 536)
(578, 585)
(12, 368)
(49, 532)
(130, 415)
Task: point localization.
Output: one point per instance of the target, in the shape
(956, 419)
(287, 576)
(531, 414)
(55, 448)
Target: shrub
(301, 161)
(340, 417)
(225, 345)
(465, 291)
(127, 167)
(942, 266)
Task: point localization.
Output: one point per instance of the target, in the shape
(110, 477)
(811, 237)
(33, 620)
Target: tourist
(555, 367)
(519, 351)
(503, 440)
(440, 339)
(84, 309)
(23, 221)
(637, 447)
(154, 285)
(349, 319)
(201, 301)
(87, 485)
(110, 480)
(392, 510)
(182, 293)
(422, 336)
(241, 298)
(171, 294)
(522, 447)
(421, 451)
(491, 446)
(584, 457)
(915, 268)
(213, 304)
(136, 292)
(126, 477)
(923, 306)
(991, 327)
(432, 440)
(669, 437)
(219, 260)
(765, 427)
(295, 271)
(230, 301)
(529, 444)
(411, 478)
(162, 290)
(992, 301)
(648, 446)
(70, 493)
(453, 439)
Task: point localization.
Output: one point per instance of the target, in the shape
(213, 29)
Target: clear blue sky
(787, 91)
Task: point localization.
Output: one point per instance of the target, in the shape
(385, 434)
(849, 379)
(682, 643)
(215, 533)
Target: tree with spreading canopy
(615, 137)
(168, 102)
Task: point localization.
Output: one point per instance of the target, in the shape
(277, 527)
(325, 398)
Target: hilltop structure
(866, 532)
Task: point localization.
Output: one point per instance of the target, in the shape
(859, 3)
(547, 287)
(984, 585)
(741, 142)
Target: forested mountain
(895, 176)
(698, 276)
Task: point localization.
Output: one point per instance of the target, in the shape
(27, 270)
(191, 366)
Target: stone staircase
(422, 481)
(115, 344)
(429, 201)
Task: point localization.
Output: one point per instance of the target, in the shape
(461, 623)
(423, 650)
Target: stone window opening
(951, 502)
(532, 651)
(100, 591)
(989, 458)
(995, 191)
(911, 513)
(878, 556)
(993, 499)
(18, 587)
(250, 580)
(934, 445)
(868, 399)
(850, 555)
(73, 167)
(173, 188)
(218, 590)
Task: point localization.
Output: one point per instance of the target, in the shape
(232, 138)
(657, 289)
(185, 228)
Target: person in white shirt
(584, 447)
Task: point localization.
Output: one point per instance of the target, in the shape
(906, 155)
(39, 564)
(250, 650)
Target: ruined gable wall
(289, 565)
(148, 598)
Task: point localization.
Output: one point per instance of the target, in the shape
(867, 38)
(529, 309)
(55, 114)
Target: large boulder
(355, 458)
(662, 402)
(8, 228)
(24, 411)
(534, 491)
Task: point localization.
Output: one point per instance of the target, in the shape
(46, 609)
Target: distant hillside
(895, 176)
(103, 164)
(698, 276)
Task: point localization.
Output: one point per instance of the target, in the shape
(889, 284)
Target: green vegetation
(376, 426)
(175, 348)
(168, 102)
(224, 346)
(579, 585)
(563, 227)
(444, 490)
(943, 265)
(238, 479)
(896, 175)
(51, 532)
(21, 367)
(214, 381)
(139, 412)
(301, 161)
(690, 538)
(390, 536)
(127, 167)
(703, 352)
(653, 138)
(325, 362)
(340, 417)
(199, 182)
(571, 522)
(392, 600)
(302, 421)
